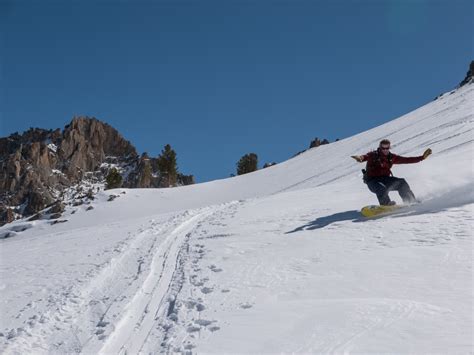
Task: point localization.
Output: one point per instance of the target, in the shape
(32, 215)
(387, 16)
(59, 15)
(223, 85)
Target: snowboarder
(379, 178)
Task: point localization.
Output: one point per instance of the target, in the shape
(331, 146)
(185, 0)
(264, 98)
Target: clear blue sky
(218, 79)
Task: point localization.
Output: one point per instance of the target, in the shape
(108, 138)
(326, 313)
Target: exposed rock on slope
(469, 75)
(86, 144)
(42, 166)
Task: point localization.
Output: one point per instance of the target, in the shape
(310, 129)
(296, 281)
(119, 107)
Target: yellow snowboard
(377, 210)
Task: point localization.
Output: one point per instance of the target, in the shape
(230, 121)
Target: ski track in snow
(115, 311)
(181, 323)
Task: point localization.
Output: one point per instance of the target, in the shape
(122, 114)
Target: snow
(53, 147)
(279, 260)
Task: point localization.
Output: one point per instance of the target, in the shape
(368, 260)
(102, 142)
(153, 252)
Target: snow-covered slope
(274, 261)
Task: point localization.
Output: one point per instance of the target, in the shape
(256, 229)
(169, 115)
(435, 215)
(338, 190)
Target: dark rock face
(185, 179)
(6, 215)
(145, 172)
(267, 165)
(317, 142)
(469, 75)
(38, 166)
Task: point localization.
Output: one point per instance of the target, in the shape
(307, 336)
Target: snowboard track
(153, 305)
(112, 313)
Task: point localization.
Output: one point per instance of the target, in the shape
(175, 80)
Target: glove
(358, 158)
(427, 153)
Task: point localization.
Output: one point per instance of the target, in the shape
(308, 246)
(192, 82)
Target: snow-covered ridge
(279, 260)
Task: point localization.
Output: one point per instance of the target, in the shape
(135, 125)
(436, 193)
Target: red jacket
(379, 164)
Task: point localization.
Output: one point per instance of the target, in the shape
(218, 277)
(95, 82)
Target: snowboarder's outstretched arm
(360, 158)
(397, 159)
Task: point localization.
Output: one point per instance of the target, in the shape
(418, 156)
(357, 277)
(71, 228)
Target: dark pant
(382, 185)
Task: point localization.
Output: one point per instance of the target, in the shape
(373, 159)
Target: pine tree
(167, 166)
(247, 164)
(113, 179)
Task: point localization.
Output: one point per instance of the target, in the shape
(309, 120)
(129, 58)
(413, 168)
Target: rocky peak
(41, 167)
(102, 137)
(87, 142)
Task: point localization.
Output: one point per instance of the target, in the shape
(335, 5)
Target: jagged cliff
(42, 168)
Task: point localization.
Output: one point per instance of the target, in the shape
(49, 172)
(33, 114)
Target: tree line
(168, 167)
(166, 164)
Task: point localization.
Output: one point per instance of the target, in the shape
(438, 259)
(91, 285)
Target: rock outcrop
(87, 142)
(39, 166)
(469, 75)
(317, 142)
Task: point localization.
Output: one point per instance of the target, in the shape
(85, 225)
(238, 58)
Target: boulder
(36, 202)
(57, 207)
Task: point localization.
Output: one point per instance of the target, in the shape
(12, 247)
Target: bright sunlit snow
(279, 260)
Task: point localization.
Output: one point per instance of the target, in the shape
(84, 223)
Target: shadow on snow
(457, 197)
(324, 221)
